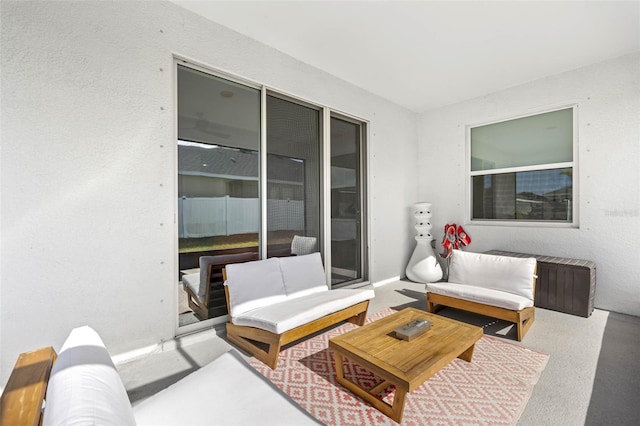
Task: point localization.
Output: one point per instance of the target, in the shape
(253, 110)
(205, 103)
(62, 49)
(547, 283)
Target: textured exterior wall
(608, 99)
(88, 233)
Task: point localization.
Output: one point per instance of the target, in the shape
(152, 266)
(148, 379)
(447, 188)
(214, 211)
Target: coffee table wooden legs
(394, 411)
(468, 354)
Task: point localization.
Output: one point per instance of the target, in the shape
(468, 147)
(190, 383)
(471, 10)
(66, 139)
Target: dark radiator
(565, 285)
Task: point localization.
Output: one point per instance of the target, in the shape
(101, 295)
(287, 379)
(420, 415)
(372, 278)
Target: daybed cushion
(226, 391)
(303, 275)
(508, 274)
(486, 296)
(254, 284)
(85, 387)
(284, 316)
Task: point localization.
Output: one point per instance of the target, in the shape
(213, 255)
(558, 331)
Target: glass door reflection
(218, 188)
(347, 226)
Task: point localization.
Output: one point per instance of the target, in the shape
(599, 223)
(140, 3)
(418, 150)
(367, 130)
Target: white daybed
(82, 386)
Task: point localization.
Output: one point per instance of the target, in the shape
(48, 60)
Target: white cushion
(226, 391)
(255, 284)
(509, 274)
(284, 316)
(303, 245)
(303, 275)
(193, 282)
(486, 296)
(85, 387)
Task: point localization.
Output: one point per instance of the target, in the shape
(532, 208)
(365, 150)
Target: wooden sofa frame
(22, 399)
(523, 318)
(265, 345)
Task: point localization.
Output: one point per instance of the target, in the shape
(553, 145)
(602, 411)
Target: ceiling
(426, 54)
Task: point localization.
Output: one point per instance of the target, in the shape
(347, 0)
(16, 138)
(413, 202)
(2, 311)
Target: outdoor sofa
(277, 301)
(496, 286)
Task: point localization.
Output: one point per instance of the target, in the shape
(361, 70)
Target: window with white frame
(522, 170)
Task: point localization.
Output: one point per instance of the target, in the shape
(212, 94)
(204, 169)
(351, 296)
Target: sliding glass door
(218, 184)
(261, 174)
(347, 201)
(293, 176)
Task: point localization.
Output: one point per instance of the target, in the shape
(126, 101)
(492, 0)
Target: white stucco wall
(88, 164)
(608, 99)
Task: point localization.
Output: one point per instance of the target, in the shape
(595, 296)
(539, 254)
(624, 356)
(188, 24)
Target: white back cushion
(303, 245)
(253, 285)
(85, 387)
(510, 274)
(303, 275)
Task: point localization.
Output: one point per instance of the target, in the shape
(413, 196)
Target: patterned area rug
(491, 390)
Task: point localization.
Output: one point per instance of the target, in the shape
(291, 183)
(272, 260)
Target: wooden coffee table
(404, 364)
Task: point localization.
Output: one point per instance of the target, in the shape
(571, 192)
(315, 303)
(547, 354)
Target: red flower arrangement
(454, 237)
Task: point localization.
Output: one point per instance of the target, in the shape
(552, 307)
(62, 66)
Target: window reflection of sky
(543, 181)
(539, 182)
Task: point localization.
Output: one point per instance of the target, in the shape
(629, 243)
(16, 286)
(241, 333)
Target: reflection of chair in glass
(303, 245)
(205, 290)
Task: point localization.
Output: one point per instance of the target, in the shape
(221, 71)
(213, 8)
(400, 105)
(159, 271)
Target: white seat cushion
(508, 274)
(226, 391)
(486, 296)
(284, 316)
(253, 285)
(85, 387)
(193, 282)
(303, 275)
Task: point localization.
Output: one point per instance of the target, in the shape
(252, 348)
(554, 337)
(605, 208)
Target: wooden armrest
(21, 402)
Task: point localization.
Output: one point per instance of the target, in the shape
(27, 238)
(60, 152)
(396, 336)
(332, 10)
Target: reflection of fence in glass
(544, 194)
(543, 210)
(528, 195)
(201, 217)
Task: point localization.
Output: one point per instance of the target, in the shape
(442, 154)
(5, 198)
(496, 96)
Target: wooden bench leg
(525, 321)
(254, 340)
(358, 319)
(432, 307)
(274, 352)
(247, 337)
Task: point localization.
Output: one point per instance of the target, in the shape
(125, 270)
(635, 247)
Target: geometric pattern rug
(493, 389)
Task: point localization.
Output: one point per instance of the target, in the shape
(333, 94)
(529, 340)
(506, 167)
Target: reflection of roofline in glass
(245, 178)
(546, 196)
(214, 175)
(198, 159)
(522, 200)
(196, 144)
